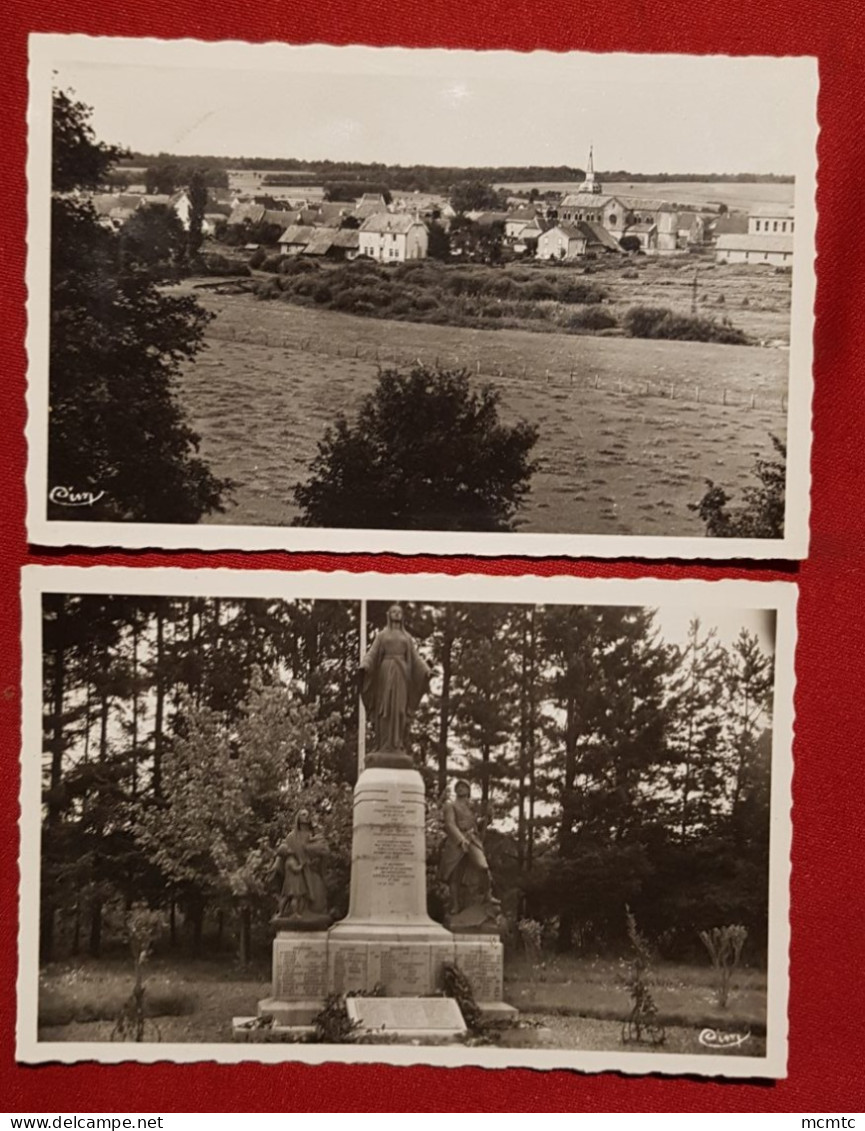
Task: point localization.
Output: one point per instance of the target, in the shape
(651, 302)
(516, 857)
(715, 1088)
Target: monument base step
(251, 1030)
(291, 1013)
(498, 1012)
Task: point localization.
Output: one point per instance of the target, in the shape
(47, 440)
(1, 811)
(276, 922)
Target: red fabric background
(826, 993)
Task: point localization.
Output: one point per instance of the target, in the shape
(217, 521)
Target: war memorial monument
(387, 950)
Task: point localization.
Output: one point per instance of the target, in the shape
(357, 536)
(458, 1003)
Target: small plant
(332, 1024)
(642, 1025)
(724, 945)
(531, 934)
(142, 927)
(457, 986)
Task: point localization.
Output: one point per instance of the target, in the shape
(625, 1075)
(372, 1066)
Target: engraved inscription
(350, 967)
(407, 1014)
(405, 970)
(301, 972)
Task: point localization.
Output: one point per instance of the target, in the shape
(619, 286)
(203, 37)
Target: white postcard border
(46, 50)
(780, 596)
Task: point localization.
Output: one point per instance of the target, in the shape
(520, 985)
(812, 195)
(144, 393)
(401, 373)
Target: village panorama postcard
(288, 816)
(385, 299)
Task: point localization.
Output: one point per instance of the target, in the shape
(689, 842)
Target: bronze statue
(393, 679)
(463, 864)
(302, 893)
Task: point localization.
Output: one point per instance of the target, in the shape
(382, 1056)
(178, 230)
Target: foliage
(724, 945)
(78, 160)
(231, 791)
(531, 934)
(630, 243)
(474, 195)
(762, 513)
(661, 322)
(458, 986)
(116, 347)
(332, 1025)
(473, 295)
(641, 1026)
(143, 927)
(154, 243)
(427, 451)
(439, 246)
(181, 734)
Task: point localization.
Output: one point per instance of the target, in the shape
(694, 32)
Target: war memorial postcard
(381, 299)
(406, 819)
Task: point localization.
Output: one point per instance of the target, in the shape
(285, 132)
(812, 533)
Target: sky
(642, 113)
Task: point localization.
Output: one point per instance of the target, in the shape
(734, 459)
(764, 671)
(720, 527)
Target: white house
(565, 241)
(771, 220)
(393, 238)
(754, 247)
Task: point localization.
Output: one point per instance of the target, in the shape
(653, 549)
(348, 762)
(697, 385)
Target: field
(630, 429)
(738, 196)
(565, 1003)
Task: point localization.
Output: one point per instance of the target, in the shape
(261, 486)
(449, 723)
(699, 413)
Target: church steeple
(589, 184)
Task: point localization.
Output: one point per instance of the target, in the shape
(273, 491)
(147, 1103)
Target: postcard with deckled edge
(407, 819)
(449, 302)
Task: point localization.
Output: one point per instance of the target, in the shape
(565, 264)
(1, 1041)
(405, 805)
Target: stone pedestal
(387, 942)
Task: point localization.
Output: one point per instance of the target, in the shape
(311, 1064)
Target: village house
(564, 241)
(769, 238)
(391, 238)
(570, 241)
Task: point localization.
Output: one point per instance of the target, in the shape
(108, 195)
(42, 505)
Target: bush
(213, 263)
(575, 292)
(427, 451)
(257, 258)
(592, 318)
(660, 322)
(272, 263)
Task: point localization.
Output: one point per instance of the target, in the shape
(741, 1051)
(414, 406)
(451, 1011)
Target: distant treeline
(427, 178)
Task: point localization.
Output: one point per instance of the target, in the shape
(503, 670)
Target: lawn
(629, 429)
(570, 1003)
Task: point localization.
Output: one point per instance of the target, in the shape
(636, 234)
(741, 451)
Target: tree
(474, 196)
(231, 792)
(439, 243)
(153, 240)
(163, 178)
(427, 451)
(630, 243)
(198, 201)
(761, 516)
(116, 347)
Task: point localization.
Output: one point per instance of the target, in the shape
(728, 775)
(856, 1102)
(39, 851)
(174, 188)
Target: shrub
(641, 1025)
(592, 318)
(257, 258)
(427, 451)
(761, 516)
(272, 263)
(724, 945)
(661, 322)
(576, 292)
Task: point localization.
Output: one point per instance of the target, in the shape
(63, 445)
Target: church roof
(586, 200)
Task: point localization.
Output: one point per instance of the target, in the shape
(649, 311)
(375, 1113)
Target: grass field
(570, 1004)
(736, 195)
(625, 444)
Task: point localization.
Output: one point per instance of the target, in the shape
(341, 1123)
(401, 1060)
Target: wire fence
(521, 373)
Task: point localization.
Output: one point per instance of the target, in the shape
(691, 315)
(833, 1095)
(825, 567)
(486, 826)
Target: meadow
(630, 429)
(575, 1003)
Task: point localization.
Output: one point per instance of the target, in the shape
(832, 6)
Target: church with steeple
(652, 222)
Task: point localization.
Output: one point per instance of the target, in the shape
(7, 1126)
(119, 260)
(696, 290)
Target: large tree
(427, 451)
(116, 347)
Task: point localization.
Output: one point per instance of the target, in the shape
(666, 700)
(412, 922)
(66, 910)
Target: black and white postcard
(358, 299)
(490, 821)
